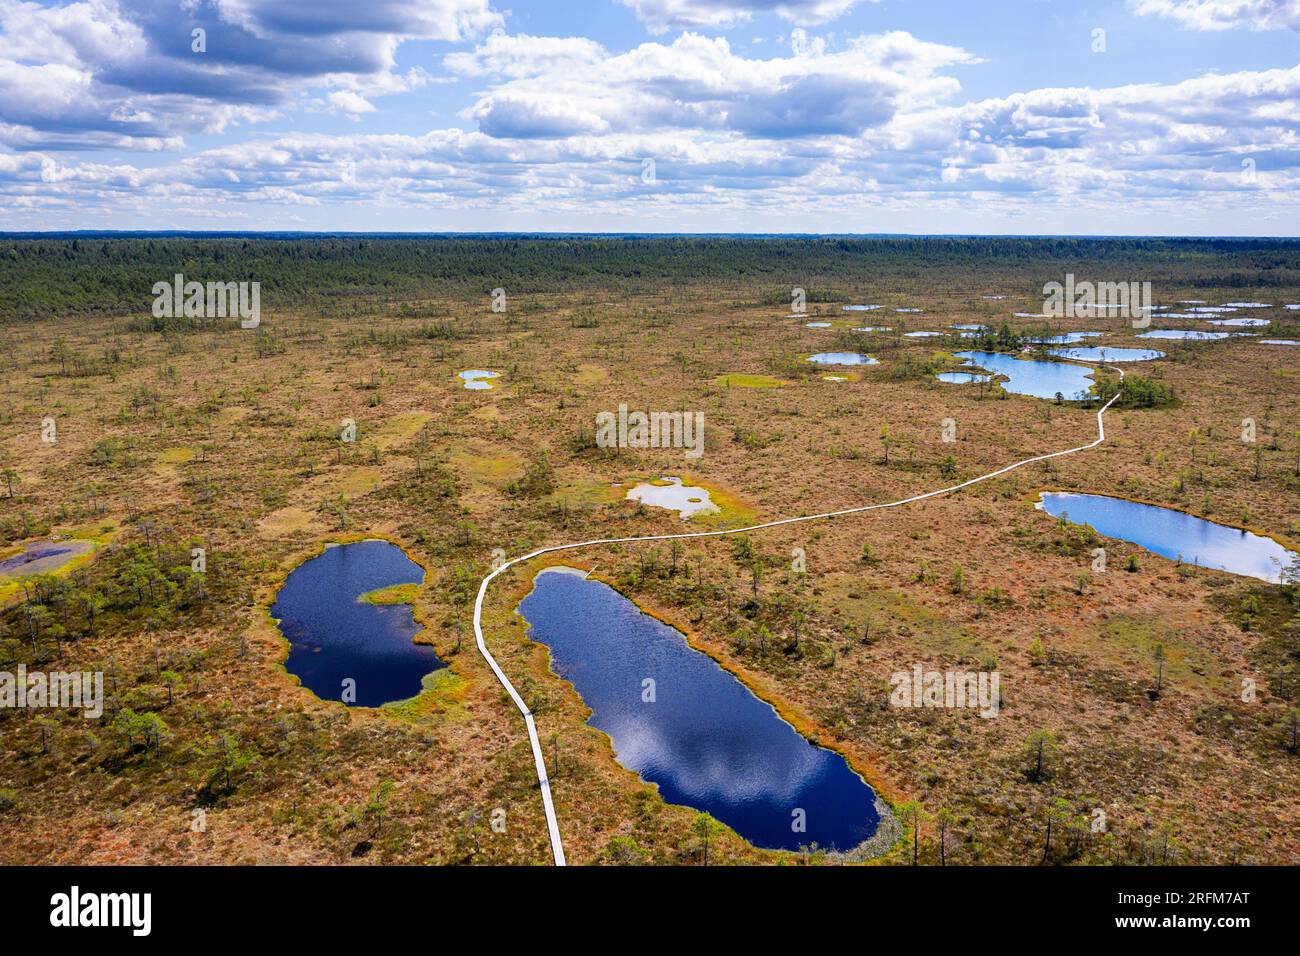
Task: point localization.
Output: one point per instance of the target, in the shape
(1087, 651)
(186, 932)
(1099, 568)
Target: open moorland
(1159, 693)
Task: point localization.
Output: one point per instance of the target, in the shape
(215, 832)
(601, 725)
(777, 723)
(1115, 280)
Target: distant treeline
(114, 276)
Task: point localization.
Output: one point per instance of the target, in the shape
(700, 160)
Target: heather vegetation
(1121, 688)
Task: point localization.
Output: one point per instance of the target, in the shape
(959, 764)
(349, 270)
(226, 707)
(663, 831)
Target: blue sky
(1169, 117)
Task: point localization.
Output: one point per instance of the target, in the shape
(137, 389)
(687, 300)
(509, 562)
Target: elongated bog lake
(1067, 338)
(1192, 334)
(1243, 323)
(1173, 534)
(334, 635)
(842, 358)
(681, 722)
(1101, 353)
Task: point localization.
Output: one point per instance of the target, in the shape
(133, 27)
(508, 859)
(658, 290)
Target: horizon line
(560, 234)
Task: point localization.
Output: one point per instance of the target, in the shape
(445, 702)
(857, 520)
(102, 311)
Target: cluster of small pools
(1040, 378)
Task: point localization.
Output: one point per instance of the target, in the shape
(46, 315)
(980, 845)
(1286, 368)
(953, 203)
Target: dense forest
(92, 275)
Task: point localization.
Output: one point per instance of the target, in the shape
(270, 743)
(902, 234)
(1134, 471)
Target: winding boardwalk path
(543, 781)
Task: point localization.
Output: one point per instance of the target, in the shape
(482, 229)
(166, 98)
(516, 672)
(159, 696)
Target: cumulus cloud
(350, 104)
(1125, 142)
(1073, 149)
(132, 70)
(1226, 14)
(430, 19)
(699, 83)
(560, 126)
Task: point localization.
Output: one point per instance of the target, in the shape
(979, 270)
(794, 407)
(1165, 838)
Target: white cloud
(558, 127)
(352, 105)
(1225, 14)
(1123, 143)
(429, 19)
(1071, 152)
(700, 83)
(662, 15)
(124, 60)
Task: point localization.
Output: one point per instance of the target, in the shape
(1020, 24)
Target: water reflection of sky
(1173, 534)
(1100, 353)
(706, 740)
(841, 358)
(686, 500)
(333, 636)
(1032, 377)
(478, 379)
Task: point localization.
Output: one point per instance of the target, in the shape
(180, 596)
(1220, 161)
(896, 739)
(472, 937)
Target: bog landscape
(649, 550)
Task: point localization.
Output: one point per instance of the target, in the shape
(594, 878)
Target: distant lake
(1100, 353)
(333, 636)
(1066, 338)
(1173, 534)
(478, 379)
(1183, 334)
(43, 557)
(1034, 377)
(842, 358)
(705, 740)
(670, 493)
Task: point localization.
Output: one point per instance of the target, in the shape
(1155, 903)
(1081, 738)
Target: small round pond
(670, 493)
(478, 379)
(336, 635)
